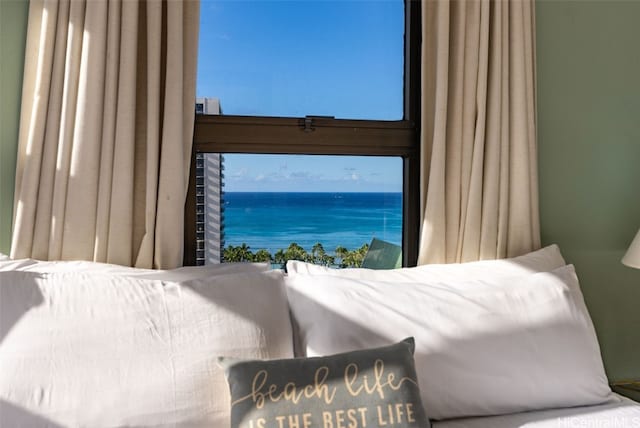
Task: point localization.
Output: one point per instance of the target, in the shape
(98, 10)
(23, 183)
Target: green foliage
(341, 258)
(352, 259)
(296, 252)
(320, 257)
(241, 253)
(262, 256)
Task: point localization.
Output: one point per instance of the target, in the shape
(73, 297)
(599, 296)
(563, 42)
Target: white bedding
(81, 349)
(482, 347)
(185, 273)
(623, 413)
(98, 345)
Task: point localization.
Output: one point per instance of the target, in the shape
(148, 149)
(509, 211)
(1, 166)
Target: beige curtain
(106, 131)
(479, 164)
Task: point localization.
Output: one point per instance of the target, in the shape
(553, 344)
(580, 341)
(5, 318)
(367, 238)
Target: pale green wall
(13, 24)
(588, 56)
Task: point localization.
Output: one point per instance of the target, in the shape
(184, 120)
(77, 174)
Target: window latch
(308, 124)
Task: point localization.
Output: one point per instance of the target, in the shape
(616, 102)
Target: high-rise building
(208, 105)
(209, 196)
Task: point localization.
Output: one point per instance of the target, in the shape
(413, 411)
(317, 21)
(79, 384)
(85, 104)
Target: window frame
(319, 135)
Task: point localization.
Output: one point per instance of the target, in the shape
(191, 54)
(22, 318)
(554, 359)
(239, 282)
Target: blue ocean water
(272, 221)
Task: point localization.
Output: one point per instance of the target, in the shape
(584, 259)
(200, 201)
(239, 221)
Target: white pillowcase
(482, 347)
(90, 349)
(180, 274)
(542, 260)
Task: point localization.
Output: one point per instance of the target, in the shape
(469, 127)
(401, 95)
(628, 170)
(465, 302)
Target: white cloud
(241, 173)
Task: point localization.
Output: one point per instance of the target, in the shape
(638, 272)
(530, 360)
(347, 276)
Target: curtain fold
(479, 158)
(106, 131)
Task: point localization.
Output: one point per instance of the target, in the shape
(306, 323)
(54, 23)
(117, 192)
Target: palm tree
(317, 253)
(351, 259)
(262, 256)
(280, 258)
(327, 260)
(244, 253)
(296, 252)
(342, 253)
(320, 257)
(230, 254)
(359, 255)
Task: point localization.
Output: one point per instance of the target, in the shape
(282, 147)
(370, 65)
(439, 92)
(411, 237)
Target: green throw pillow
(369, 388)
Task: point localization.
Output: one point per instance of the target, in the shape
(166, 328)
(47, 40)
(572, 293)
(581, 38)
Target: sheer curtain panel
(106, 131)
(479, 155)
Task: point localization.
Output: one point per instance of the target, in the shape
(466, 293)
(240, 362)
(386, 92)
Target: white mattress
(623, 413)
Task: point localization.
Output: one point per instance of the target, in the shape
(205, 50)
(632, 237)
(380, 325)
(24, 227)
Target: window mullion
(288, 136)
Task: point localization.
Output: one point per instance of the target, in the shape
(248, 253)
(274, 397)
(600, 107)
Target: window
(341, 89)
(295, 58)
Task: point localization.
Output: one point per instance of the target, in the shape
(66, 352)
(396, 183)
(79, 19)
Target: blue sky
(305, 57)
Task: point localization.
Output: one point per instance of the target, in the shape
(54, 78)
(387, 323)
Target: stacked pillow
(94, 348)
(491, 337)
(180, 274)
(543, 260)
(90, 344)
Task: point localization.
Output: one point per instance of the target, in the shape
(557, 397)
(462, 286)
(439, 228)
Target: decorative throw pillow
(366, 388)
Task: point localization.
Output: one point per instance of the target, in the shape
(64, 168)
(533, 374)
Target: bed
(97, 345)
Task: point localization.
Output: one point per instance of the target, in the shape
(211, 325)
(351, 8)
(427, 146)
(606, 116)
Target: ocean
(272, 221)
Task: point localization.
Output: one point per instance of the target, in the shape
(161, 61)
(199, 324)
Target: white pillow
(482, 347)
(83, 349)
(7, 263)
(543, 260)
(180, 274)
(187, 273)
